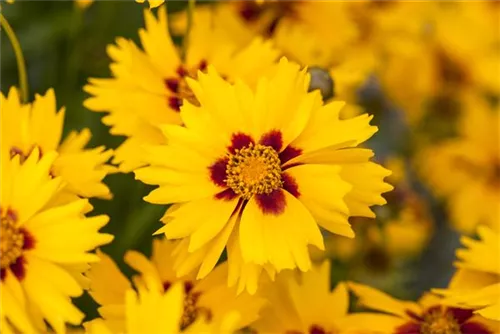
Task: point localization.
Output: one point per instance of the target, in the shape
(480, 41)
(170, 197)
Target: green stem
(185, 42)
(18, 52)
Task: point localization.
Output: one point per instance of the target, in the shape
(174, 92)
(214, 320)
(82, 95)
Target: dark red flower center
(179, 89)
(191, 308)
(13, 242)
(256, 169)
(443, 320)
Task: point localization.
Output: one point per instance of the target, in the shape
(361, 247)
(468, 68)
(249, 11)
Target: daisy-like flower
(153, 310)
(465, 170)
(209, 299)
(476, 284)
(306, 304)
(260, 171)
(427, 316)
(43, 248)
(148, 87)
(39, 125)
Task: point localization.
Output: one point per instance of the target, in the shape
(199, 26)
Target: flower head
(261, 170)
(44, 246)
(476, 284)
(149, 87)
(208, 300)
(428, 316)
(39, 125)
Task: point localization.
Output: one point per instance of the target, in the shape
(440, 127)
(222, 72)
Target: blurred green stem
(185, 42)
(21, 65)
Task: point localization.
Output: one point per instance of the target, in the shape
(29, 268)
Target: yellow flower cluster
(254, 136)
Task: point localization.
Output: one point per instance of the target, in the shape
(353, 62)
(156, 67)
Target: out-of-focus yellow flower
(306, 304)
(149, 86)
(261, 170)
(476, 284)
(465, 170)
(427, 316)
(44, 247)
(83, 4)
(25, 127)
(152, 309)
(152, 3)
(209, 299)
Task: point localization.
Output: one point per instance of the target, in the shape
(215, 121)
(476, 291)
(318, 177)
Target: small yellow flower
(44, 247)
(209, 299)
(25, 127)
(429, 315)
(476, 284)
(153, 310)
(260, 171)
(148, 87)
(83, 4)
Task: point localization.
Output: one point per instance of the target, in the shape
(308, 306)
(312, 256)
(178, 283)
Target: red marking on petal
(408, 328)
(3, 272)
(166, 285)
(181, 71)
(188, 286)
(250, 11)
(414, 316)
(432, 309)
(315, 329)
(172, 84)
(290, 185)
(203, 65)
(289, 153)
(175, 103)
(273, 139)
(473, 327)
(226, 195)
(273, 203)
(18, 268)
(461, 315)
(29, 240)
(239, 141)
(218, 172)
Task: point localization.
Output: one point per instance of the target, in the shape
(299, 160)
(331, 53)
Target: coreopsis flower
(465, 170)
(148, 87)
(43, 248)
(152, 3)
(209, 299)
(429, 315)
(306, 304)
(260, 171)
(39, 125)
(476, 284)
(150, 309)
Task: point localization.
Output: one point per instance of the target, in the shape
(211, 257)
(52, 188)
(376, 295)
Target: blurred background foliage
(64, 45)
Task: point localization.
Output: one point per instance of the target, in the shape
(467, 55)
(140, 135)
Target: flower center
(439, 322)
(178, 87)
(11, 240)
(255, 169)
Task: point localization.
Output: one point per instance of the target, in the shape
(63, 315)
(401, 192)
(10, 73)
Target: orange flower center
(255, 169)
(439, 322)
(11, 241)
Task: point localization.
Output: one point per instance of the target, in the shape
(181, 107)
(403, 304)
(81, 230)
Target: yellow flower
(465, 170)
(306, 304)
(151, 310)
(43, 248)
(25, 127)
(260, 171)
(208, 299)
(152, 3)
(476, 284)
(149, 86)
(426, 316)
